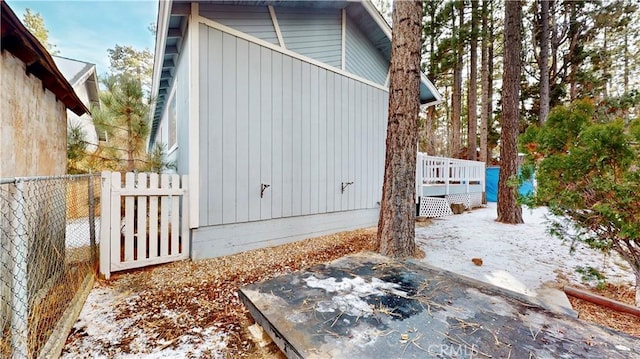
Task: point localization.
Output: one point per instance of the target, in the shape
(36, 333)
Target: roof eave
(40, 61)
(382, 23)
(164, 12)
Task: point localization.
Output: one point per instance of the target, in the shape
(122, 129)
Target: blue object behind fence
(492, 184)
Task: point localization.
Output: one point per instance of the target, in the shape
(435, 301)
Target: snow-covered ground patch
(350, 294)
(131, 317)
(77, 232)
(524, 258)
(103, 331)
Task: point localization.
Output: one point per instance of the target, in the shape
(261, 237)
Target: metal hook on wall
(345, 185)
(263, 187)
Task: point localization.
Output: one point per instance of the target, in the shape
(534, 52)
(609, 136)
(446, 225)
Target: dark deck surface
(366, 306)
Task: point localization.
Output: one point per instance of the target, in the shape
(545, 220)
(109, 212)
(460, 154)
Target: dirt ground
(205, 291)
(623, 322)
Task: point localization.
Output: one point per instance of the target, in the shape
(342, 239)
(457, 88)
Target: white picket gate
(144, 222)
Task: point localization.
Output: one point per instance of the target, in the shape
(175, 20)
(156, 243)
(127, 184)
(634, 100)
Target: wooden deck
(441, 189)
(367, 306)
(441, 176)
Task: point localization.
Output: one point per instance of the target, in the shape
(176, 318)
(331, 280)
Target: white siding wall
(85, 122)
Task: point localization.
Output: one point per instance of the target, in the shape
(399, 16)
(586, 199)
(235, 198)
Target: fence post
(467, 175)
(186, 232)
(447, 174)
(18, 243)
(92, 223)
(105, 224)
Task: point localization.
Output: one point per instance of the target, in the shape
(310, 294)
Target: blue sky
(84, 30)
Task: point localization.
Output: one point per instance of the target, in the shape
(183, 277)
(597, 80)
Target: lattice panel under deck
(434, 207)
(470, 200)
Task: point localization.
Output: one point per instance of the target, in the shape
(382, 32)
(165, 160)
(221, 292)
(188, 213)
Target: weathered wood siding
(268, 118)
(33, 125)
(362, 58)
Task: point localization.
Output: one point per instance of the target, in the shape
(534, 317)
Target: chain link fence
(49, 230)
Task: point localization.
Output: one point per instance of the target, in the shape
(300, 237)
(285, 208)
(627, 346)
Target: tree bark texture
(490, 76)
(484, 82)
(637, 289)
(396, 227)
(508, 209)
(430, 121)
(472, 98)
(544, 61)
(574, 34)
(456, 93)
(430, 125)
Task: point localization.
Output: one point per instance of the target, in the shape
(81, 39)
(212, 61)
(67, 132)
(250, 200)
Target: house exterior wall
(316, 34)
(253, 20)
(362, 58)
(33, 125)
(85, 122)
(179, 153)
(33, 142)
(270, 118)
(312, 32)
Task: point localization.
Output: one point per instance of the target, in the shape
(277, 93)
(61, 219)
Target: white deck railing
(445, 176)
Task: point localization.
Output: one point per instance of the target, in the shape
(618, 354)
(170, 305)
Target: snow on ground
(77, 232)
(523, 258)
(104, 331)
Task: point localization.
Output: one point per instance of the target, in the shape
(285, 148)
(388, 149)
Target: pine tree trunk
(429, 130)
(472, 99)
(456, 94)
(131, 166)
(625, 79)
(554, 44)
(396, 227)
(508, 209)
(638, 289)
(544, 62)
(574, 32)
(605, 70)
(490, 76)
(430, 124)
(484, 82)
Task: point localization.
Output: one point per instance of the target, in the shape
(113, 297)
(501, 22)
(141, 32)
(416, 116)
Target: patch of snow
(350, 293)
(523, 258)
(101, 333)
(77, 232)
